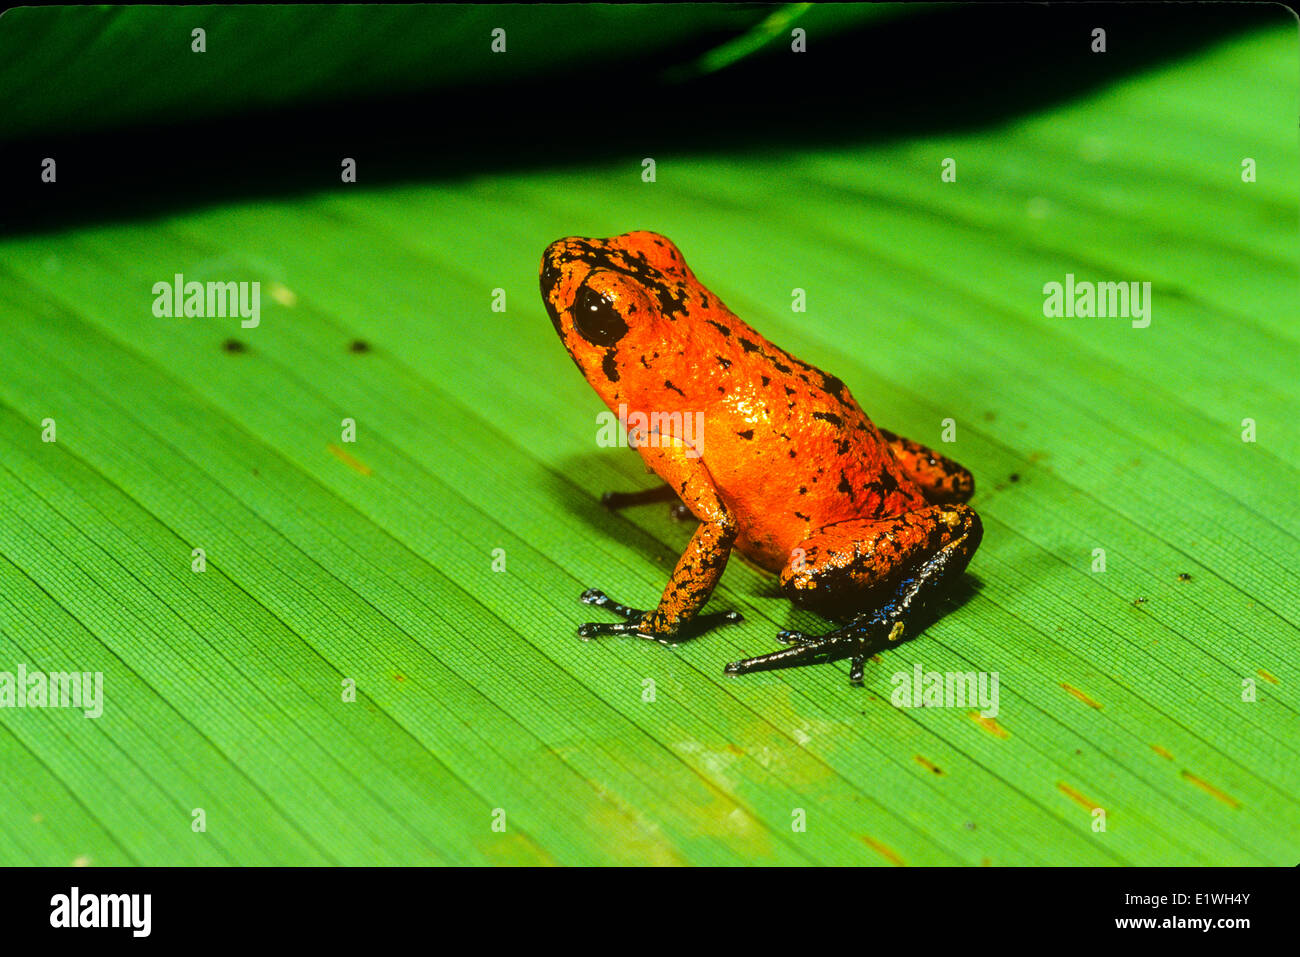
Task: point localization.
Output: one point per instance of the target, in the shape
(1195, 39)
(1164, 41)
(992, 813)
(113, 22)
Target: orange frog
(864, 527)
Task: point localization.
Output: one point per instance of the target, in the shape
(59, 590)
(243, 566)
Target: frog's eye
(595, 318)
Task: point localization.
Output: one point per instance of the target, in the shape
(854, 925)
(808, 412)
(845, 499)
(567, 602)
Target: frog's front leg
(700, 566)
(879, 576)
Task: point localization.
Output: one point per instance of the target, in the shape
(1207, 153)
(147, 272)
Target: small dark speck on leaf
(1184, 577)
(1014, 477)
(359, 345)
(1138, 601)
(234, 345)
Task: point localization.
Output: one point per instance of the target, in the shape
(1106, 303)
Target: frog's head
(612, 301)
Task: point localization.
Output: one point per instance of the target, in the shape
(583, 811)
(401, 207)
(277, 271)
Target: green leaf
(373, 561)
(127, 64)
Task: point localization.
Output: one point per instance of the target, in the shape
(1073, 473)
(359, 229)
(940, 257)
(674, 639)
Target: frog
(866, 528)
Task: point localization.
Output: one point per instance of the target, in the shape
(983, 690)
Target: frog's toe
(808, 650)
(597, 629)
(807, 653)
(856, 668)
(594, 596)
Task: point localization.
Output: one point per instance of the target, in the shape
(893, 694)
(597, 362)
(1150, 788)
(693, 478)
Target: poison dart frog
(862, 526)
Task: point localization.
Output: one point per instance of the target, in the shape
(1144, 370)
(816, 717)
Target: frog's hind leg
(942, 481)
(880, 577)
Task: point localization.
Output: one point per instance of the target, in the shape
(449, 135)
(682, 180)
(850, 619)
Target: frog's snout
(550, 273)
(549, 277)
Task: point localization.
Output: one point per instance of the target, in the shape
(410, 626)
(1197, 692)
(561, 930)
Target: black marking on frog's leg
(616, 500)
(830, 417)
(941, 480)
(901, 618)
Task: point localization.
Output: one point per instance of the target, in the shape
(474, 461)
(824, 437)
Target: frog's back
(789, 448)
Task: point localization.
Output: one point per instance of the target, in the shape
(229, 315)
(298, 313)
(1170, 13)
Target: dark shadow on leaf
(952, 69)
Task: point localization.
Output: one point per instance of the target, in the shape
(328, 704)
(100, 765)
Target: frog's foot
(858, 640)
(790, 637)
(912, 606)
(636, 622)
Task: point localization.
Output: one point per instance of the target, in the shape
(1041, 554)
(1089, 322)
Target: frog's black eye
(595, 318)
